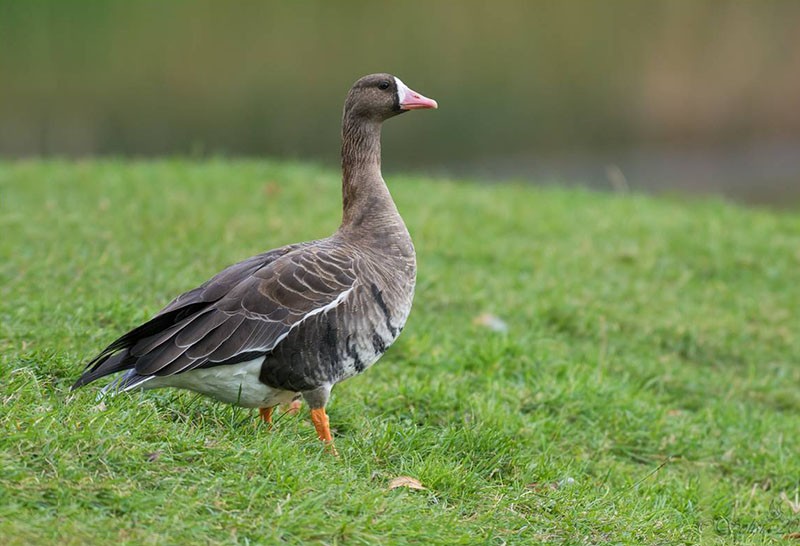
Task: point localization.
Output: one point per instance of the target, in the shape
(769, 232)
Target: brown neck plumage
(365, 198)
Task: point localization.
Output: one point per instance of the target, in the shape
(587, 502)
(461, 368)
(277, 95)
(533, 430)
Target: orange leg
(321, 423)
(266, 414)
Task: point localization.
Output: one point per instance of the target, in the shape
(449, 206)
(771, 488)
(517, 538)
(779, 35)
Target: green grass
(647, 390)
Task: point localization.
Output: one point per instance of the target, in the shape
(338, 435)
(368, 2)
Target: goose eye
(383, 85)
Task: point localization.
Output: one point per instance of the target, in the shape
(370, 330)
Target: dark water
(766, 173)
(698, 96)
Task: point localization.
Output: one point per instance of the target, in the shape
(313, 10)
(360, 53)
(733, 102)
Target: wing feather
(216, 337)
(195, 331)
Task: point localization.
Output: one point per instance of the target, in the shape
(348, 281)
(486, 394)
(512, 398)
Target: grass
(647, 390)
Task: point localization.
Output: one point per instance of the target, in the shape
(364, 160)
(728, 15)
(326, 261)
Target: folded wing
(240, 314)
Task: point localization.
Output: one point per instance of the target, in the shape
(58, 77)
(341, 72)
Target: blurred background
(664, 96)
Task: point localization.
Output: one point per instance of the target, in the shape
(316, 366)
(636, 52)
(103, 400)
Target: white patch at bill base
(403, 92)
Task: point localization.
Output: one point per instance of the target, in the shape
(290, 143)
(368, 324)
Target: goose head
(378, 97)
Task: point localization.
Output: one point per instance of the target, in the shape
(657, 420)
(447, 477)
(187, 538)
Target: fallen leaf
(405, 481)
(154, 456)
(795, 536)
(271, 189)
(492, 322)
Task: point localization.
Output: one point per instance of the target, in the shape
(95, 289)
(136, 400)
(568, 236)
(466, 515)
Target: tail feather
(105, 365)
(117, 356)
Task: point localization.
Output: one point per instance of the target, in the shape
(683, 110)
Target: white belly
(236, 384)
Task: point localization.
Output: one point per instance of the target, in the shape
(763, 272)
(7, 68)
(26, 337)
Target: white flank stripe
(339, 299)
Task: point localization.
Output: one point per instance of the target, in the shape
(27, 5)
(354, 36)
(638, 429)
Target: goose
(290, 323)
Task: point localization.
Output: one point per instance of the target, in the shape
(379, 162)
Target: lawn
(646, 389)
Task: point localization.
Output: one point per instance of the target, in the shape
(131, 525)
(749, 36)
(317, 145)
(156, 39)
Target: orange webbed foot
(292, 408)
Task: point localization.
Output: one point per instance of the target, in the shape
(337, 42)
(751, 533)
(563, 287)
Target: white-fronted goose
(296, 320)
